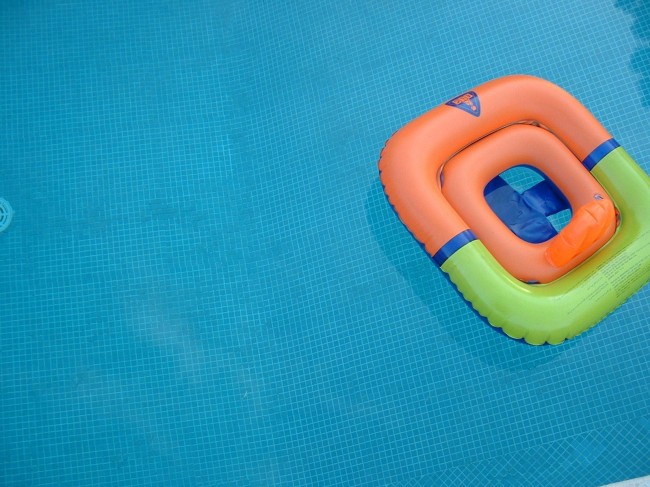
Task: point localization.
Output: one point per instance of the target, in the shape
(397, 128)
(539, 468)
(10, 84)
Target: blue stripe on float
(460, 240)
(598, 153)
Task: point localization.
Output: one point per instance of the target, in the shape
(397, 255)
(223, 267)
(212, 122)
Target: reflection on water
(640, 61)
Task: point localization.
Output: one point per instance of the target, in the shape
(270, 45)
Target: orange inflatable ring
(443, 171)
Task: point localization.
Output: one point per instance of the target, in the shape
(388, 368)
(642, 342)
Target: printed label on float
(467, 102)
(619, 277)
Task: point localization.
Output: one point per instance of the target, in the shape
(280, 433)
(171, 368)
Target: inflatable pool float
(443, 173)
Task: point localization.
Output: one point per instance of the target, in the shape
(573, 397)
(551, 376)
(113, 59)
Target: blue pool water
(203, 284)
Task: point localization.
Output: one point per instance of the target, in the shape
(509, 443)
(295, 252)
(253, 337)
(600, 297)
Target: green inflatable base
(554, 312)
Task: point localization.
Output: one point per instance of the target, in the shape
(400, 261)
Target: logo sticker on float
(467, 102)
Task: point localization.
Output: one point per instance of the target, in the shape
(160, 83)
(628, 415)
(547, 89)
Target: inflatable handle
(587, 225)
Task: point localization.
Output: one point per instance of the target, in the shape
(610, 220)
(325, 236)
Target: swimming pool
(204, 284)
